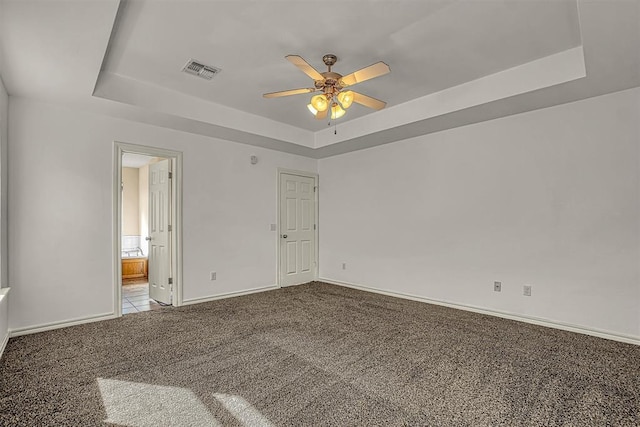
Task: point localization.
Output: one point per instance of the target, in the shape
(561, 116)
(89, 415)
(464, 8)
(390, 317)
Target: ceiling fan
(334, 97)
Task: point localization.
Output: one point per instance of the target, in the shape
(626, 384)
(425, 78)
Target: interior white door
(297, 229)
(159, 231)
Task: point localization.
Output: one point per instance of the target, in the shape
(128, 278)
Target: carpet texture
(317, 354)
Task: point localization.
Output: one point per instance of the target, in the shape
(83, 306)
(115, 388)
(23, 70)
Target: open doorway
(137, 229)
(147, 228)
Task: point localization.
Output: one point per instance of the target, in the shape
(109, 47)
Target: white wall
(4, 138)
(130, 202)
(549, 198)
(60, 204)
(4, 306)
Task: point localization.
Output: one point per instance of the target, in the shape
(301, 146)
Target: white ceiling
(132, 160)
(452, 62)
(429, 45)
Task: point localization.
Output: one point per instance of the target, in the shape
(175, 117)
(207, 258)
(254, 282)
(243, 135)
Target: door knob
(148, 238)
(284, 236)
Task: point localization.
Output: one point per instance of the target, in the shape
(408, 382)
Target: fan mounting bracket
(329, 59)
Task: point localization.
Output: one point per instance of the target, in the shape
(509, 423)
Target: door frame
(315, 178)
(176, 214)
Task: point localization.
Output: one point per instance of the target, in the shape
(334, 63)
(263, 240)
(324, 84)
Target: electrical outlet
(497, 286)
(344, 265)
(526, 290)
(213, 275)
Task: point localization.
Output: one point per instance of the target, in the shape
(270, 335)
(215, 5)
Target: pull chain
(335, 125)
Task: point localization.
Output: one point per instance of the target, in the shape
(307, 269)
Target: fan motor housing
(331, 80)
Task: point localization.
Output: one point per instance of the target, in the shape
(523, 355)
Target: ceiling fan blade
(304, 66)
(289, 92)
(368, 101)
(372, 71)
(321, 114)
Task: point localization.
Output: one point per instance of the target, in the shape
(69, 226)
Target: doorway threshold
(135, 299)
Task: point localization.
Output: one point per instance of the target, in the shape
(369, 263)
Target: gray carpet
(317, 354)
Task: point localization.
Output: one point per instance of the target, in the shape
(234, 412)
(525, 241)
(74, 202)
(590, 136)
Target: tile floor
(135, 298)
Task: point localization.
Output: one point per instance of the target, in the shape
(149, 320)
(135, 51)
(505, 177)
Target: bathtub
(135, 267)
(134, 263)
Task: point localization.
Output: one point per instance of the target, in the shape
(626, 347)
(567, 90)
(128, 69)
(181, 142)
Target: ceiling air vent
(198, 69)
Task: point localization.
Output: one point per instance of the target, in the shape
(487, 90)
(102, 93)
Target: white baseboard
(629, 339)
(61, 324)
(97, 318)
(4, 344)
(4, 306)
(229, 295)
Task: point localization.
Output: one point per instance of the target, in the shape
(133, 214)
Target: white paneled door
(297, 229)
(159, 231)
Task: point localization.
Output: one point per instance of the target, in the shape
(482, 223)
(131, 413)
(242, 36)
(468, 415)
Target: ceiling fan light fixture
(345, 98)
(333, 101)
(319, 102)
(337, 111)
